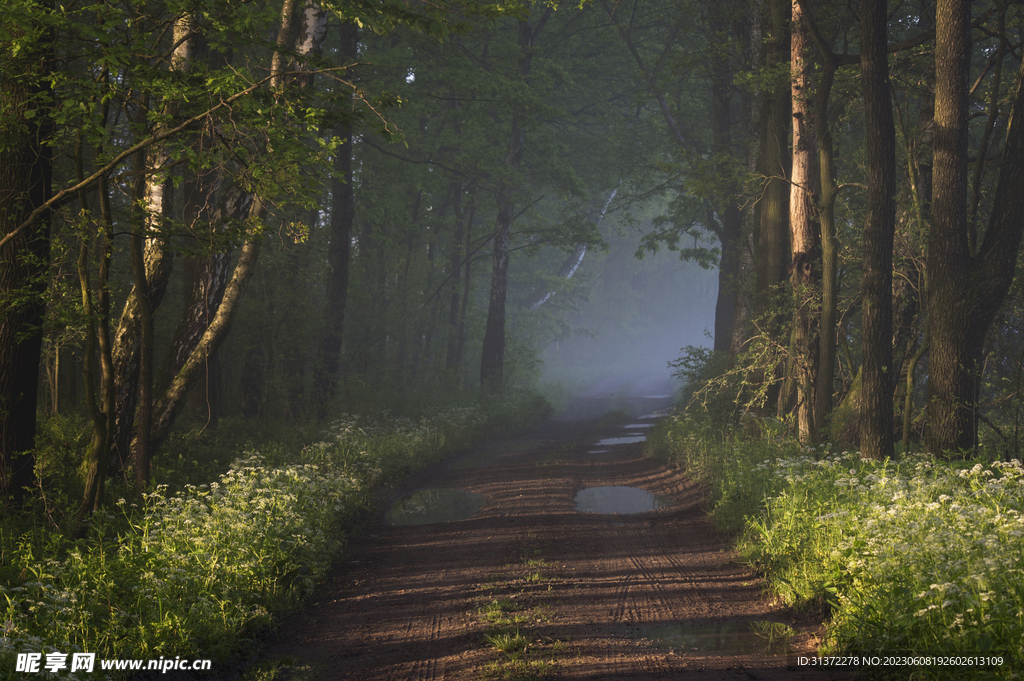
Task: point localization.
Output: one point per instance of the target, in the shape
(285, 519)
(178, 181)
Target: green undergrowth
(915, 556)
(201, 572)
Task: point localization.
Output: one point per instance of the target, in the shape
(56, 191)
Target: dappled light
(511, 341)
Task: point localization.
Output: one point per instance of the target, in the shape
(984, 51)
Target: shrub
(916, 556)
(202, 571)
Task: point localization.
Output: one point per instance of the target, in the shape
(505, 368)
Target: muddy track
(583, 591)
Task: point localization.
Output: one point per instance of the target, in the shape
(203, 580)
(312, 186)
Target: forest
(374, 232)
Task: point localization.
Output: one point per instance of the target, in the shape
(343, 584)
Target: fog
(637, 316)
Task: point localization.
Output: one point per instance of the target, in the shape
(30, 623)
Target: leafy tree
(26, 168)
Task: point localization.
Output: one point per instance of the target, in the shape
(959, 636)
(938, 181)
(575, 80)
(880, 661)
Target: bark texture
(877, 383)
(965, 292)
(953, 357)
(804, 229)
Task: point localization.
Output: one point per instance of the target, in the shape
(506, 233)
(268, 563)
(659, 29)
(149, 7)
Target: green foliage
(916, 556)
(727, 392)
(203, 571)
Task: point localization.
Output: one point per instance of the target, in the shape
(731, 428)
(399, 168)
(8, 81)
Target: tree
(804, 229)
(772, 241)
(492, 361)
(342, 219)
(26, 169)
(966, 287)
(878, 377)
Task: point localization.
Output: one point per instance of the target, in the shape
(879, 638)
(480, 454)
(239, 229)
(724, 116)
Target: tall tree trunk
(170, 403)
(772, 257)
(877, 383)
(406, 326)
(804, 229)
(730, 214)
(953, 358)
(325, 376)
(752, 102)
(492, 361)
(825, 383)
(25, 184)
(986, 278)
(102, 414)
(140, 455)
(156, 189)
(467, 283)
(455, 269)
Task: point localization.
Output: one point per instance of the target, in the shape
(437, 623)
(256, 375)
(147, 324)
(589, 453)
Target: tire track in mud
(405, 602)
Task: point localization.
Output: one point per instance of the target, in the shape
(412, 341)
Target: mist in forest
(636, 315)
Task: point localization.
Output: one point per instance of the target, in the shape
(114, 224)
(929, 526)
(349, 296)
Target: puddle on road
(637, 425)
(619, 500)
(722, 638)
(621, 440)
(435, 506)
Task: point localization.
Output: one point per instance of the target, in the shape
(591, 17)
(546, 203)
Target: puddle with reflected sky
(619, 500)
(621, 440)
(435, 506)
(721, 638)
(637, 425)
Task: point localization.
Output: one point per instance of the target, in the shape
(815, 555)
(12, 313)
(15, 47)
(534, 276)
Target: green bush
(200, 572)
(919, 556)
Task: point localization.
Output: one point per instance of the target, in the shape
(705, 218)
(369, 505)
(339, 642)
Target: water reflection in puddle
(722, 638)
(435, 506)
(619, 500)
(637, 425)
(621, 440)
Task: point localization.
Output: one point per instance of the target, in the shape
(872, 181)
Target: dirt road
(532, 588)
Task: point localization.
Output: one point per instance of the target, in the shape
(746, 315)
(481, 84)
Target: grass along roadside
(916, 556)
(201, 572)
(512, 608)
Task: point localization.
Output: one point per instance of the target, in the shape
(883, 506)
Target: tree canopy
(279, 210)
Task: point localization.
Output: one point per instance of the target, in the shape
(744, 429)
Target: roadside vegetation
(202, 570)
(910, 556)
(512, 610)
